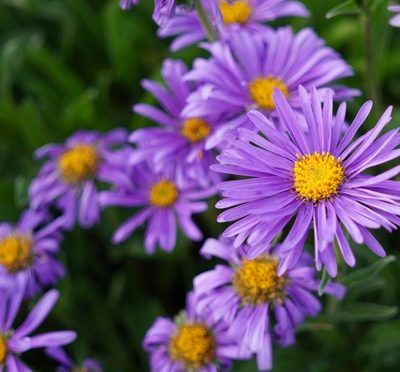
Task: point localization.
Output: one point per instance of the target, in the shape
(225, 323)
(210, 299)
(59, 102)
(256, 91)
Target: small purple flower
(163, 9)
(127, 4)
(224, 15)
(316, 177)
(187, 143)
(164, 200)
(242, 73)
(68, 365)
(15, 341)
(395, 21)
(194, 342)
(258, 305)
(29, 248)
(68, 178)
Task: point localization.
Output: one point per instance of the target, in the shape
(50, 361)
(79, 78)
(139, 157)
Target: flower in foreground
(164, 200)
(68, 178)
(258, 305)
(29, 248)
(316, 176)
(16, 341)
(243, 72)
(68, 365)
(224, 14)
(193, 342)
(395, 21)
(182, 142)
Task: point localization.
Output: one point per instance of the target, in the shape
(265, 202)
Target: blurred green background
(71, 64)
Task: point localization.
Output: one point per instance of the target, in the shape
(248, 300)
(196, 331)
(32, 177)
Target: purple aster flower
(259, 305)
(395, 21)
(127, 4)
(29, 248)
(226, 14)
(314, 175)
(164, 200)
(68, 365)
(15, 341)
(163, 9)
(242, 74)
(184, 142)
(68, 178)
(194, 342)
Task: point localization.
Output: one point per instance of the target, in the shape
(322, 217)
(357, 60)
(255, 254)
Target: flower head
(68, 365)
(257, 304)
(67, 181)
(395, 21)
(315, 175)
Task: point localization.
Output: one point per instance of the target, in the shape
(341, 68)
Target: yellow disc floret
(3, 349)
(79, 163)
(163, 194)
(318, 176)
(237, 11)
(193, 345)
(195, 129)
(262, 89)
(257, 281)
(15, 252)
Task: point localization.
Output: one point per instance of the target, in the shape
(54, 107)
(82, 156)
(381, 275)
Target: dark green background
(71, 64)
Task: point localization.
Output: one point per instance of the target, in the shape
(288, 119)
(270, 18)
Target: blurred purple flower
(163, 9)
(68, 365)
(29, 248)
(258, 305)
(316, 175)
(185, 143)
(395, 21)
(223, 14)
(68, 178)
(16, 341)
(127, 4)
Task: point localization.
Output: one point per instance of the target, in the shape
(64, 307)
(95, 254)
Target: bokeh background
(72, 64)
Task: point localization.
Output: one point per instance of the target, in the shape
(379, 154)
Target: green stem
(205, 21)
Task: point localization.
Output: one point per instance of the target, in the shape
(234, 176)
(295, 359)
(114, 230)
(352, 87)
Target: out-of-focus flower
(224, 15)
(68, 365)
(163, 9)
(164, 200)
(29, 248)
(194, 342)
(258, 305)
(395, 21)
(183, 142)
(242, 74)
(68, 178)
(316, 175)
(127, 4)
(16, 341)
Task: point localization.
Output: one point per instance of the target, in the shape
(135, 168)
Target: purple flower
(163, 9)
(127, 4)
(242, 74)
(164, 200)
(29, 248)
(395, 21)
(194, 342)
(314, 175)
(186, 143)
(15, 341)
(258, 305)
(68, 178)
(224, 14)
(68, 365)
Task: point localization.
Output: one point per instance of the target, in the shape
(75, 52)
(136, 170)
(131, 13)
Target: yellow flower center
(163, 194)
(195, 129)
(79, 163)
(15, 252)
(257, 281)
(238, 11)
(318, 176)
(3, 349)
(261, 91)
(193, 345)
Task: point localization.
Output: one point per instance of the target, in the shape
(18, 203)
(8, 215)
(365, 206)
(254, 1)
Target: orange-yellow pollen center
(195, 129)
(193, 345)
(257, 281)
(15, 252)
(262, 89)
(79, 163)
(237, 11)
(3, 349)
(163, 194)
(318, 176)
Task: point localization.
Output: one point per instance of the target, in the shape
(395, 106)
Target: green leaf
(360, 312)
(349, 7)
